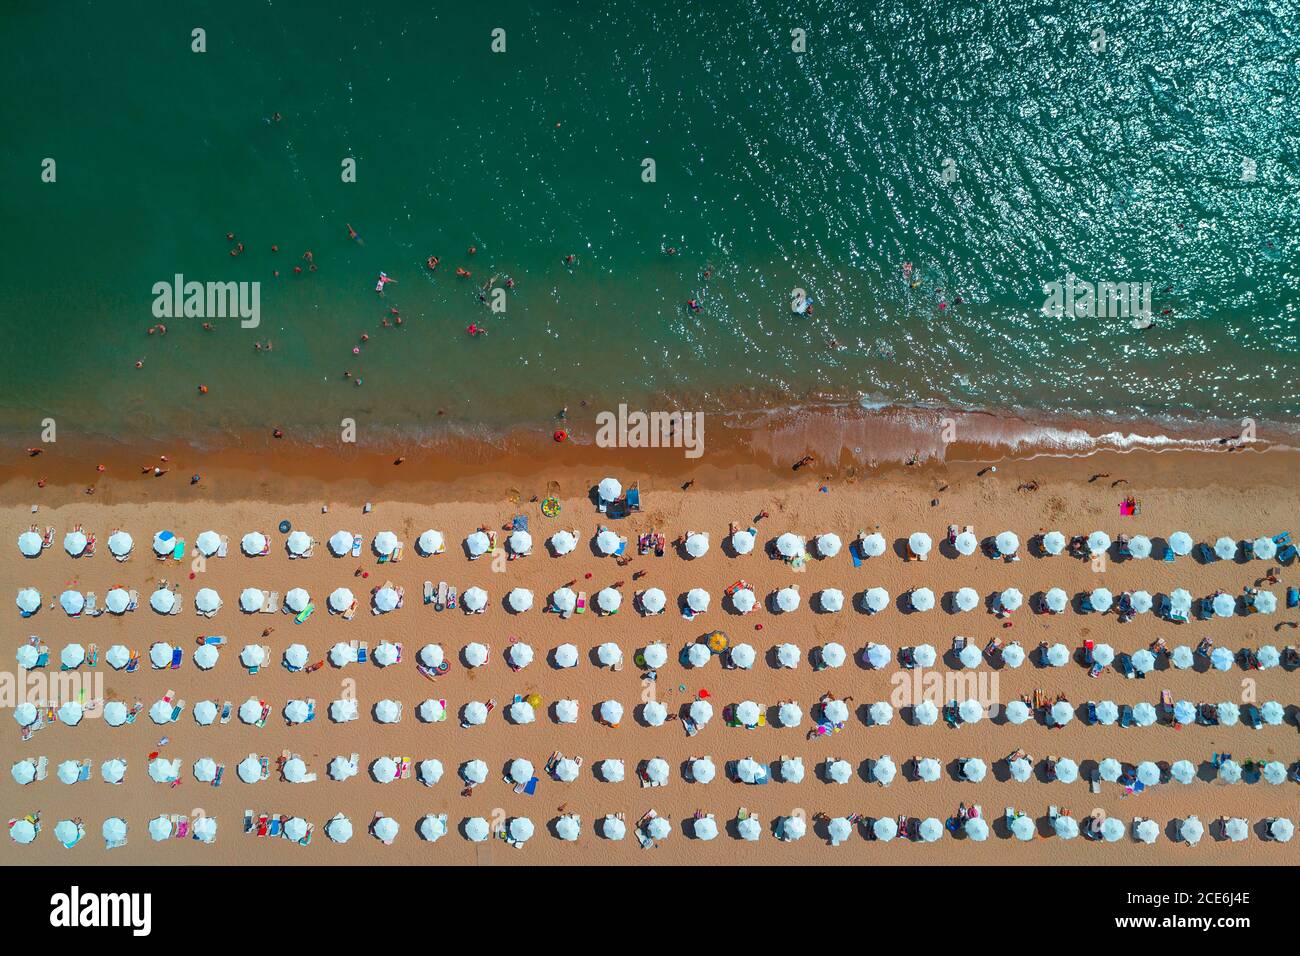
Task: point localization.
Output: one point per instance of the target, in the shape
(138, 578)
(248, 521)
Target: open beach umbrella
(879, 656)
(609, 489)
(1184, 712)
(474, 599)
(69, 771)
(1180, 542)
(1062, 713)
(1221, 659)
(931, 829)
(1272, 712)
(832, 600)
(1191, 830)
(115, 713)
(792, 770)
(922, 599)
(787, 599)
(295, 770)
(432, 542)
(296, 711)
(697, 545)
(1067, 828)
(24, 772)
(837, 771)
(1236, 829)
(976, 828)
(207, 543)
(1112, 829)
(1067, 771)
(929, 770)
(697, 599)
(342, 654)
(385, 830)
(611, 712)
(520, 542)
(298, 543)
(1268, 657)
(655, 655)
(112, 771)
(71, 713)
(521, 654)
(296, 600)
(973, 769)
(1140, 601)
(1023, 829)
(1225, 548)
(1148, 773)
(1180, 601)
(474, 771)
(161, 712)
(1139, 546)
(253, 543)
(205, 713)
(477, 544)
(1101, 599)
(789, 545)
(654, 713)
(607, 542)
(742, 542)
(1013, 655)
(749, 829)
(658, 828)
(339, 828)
(1098, 542)
(792, 828)
(1181, 657)
(117, 600)
(250, 711)
(72, 656)
(742, 656)
(1021, 770)
(970, 656)
(703, 770)
(609, 600)
(388, 711)
(1058, 655)
(1053, 542)
(562, 542)
(74, 542)
(790, 715)
(1265, 602)
(1017, 712)
(873, 545)
(164, 771)
(564, 600)
(520, 600)
(29, 600)
(251, 600)
(743, 600)
(430, 771)
(833, 654)
(919, 543)
(1184, 771)
(253, 655)
(612, 828)
(567, 827)
(971, 711)
(1275, 772)
(701, 712)
(1103, 654)
(340, 543)
(160, 655)
(69, 833)
(475, 713)
(1144, 662)
(120, 544)
(25, 714)
(1224, 605)
(1056, 600)
(340, 600)
(787, 655)
(384, 770)
(924, 654)
(966, 543)
(876, 599)
(966, 599)
(160, 828)
(828, 545)
(295, 828)
(521, 770)
(747, 712)
(609, 653)
(1230, 771)
(164, 543)
(1263, 548)
(73, 602)
(208, 601)
(1011, 599)
(1282, 829)
(521, 712)
(657, 770)
(386, 599)
(925, 713)
(1228, 713)
(386, 542)
(1110, 769)
(29, 544)
(163, 600)
(611, 771)
(835, 711)
(1007, 543)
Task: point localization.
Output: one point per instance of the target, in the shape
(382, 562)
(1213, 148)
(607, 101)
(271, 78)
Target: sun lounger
(134, 600)
(351, 612)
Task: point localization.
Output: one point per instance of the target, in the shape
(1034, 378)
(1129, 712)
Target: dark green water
(1169, 157)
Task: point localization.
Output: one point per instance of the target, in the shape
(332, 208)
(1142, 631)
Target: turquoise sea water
(996, 146)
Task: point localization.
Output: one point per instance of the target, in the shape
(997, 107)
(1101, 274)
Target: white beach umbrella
(1148, 773)
(655, 655)
(29, 544)
(876, 599)
(1282, 829)
(1053, 542)
(251, 600)
(919, 543)
(654, 713)
(73, 602)
(1265, 602)
(1007, 543)
(1098, 542)
(743, 600)
(521, 712)
(74, 542)
(386, 599)
(208, 601)
(836, 711)
(24, 771)
(1022, 828)
(828, 545)
(787, 655)
(1180, 542)
(1101, 599)
(1180, 600)
(703, 770)
(743, 655)
(609, 489)
(112, 771)
(25, 714)
(883, 829)
(966, 599)
(792, 770)
(1013, 655)
(873, 545)
(161, 712)
(697, 599)
(1103, 654)
(384, 770)
(974, 769)
(931, 829)
(164, 543)
(790, 714)
(976, 829)
(742, 542)
(298, 543)
(1226, 548)
(29, 600)
(520, 600)
(1067, 828)
(611, 712)
(340, 600)
(1067, 771)
(117, 600)
(342, 654)
(1058, 655)
(71, 713)
(789, 545)
(475, 713)
(839, 771)
(566, 711)
(1268, 657)
(609, 654)
(562, 542)
(929, 770)
(520, 542)
(1139, 546)
(749, 829)
(607, 542)
(160, 828)
(477, 544)
(474, 599)
(430, 771)
(611, 771)
(296, 711)
(1107, 712)
(793, 828)
(925, 713)
(474, 771)
(250, 711)
(883, 770)
(476, 829)
(1275, 772)
(385, 829)
(567, 827)
(1236, 829)
(1191, 830)
(747, 712)
(1273, 713)
(970, 656)
(697, 545)
(521, 654)
(832, 600)
(115, 713)
(971, 711)
(160, 655)
(205, 713)
(253, 655)
(295, 828)
(339, 829)
(164, 771)
(1182, 657)
(120, 544)
(1221, 659)
(72, 656)
(1110, 769)
(295, 770)
(1062, 713)
(430, 542)
(388, 711)
(923, 654)
(1017, 712)
(340, 543)
(1144, 662)
(657, 770)
(297, 599)
(1140, 601)
(966, 543)
(1228, 713)
(609, 600)
(1184, 771)
(564, 600)
(658, 828)
(922, 599)
(253, 543)
(69, 771)
(833, 654)
(386, 542)
(1011, 599)
(207, 543)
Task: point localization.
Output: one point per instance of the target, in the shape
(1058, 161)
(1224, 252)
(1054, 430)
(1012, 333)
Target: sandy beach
(1207, 495)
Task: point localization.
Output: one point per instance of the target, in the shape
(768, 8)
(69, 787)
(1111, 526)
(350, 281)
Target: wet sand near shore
(1243, 494)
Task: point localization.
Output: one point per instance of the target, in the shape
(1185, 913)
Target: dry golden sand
(1242, 495)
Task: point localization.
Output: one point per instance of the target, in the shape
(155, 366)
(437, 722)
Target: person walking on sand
(802, 462)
